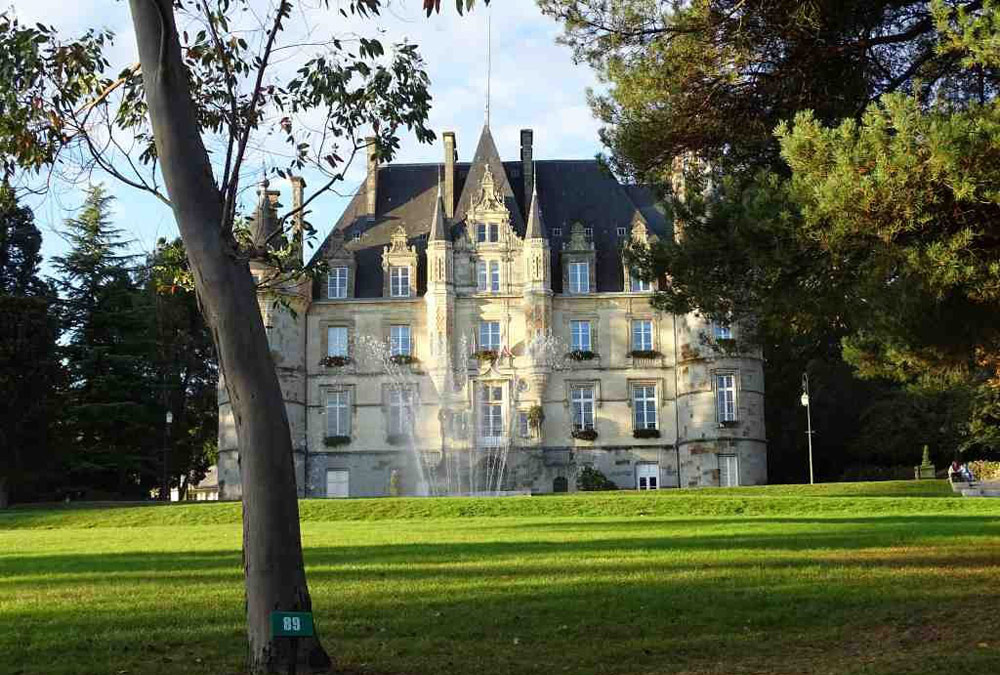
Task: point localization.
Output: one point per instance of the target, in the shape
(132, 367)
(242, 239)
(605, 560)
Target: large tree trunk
(272, 545)
(4, 492)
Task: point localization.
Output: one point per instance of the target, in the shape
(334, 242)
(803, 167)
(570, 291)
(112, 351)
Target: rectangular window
(621, 231)
(338, 483)
(637, 285)
(482, 276)
(336, 283)
(489, 335)
(336, 341)
(729, 471)
(494, 276)
(523, 425)
(579, 335)
(579, 277)
(589, 231)
(647, 476)
(556, 231)
(399, 340)
(338, 413)
(722, 331)
(491, 421)
(400, 410)
(725, 393)
(642, 335)
(357, 236)
(480, 232)
(582, 404)
(488, 276)
(494, 231)
(644, 406)
(399, 282)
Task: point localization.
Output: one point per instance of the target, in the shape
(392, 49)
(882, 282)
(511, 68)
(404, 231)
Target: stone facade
(434, 355)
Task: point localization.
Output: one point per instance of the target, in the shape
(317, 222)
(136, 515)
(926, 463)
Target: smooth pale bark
(272, 546)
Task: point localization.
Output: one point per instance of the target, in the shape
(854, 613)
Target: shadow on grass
(766, 598)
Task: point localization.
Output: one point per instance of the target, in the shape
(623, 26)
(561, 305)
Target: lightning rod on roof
(489, 40)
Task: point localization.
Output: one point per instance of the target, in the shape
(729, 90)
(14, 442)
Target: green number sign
(291, 624)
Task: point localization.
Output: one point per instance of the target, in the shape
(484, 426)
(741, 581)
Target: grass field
(849, 578)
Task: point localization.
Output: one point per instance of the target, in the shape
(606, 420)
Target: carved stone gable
(640, 232)
(578, 239)
(398, 243)
(490, 199)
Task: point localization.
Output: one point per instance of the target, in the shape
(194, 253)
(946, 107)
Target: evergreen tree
(29, 369)
(709, 81)
(184, 368)
(109, 406)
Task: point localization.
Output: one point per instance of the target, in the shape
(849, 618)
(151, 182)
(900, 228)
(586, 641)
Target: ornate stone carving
(398, 245)
(578, 239)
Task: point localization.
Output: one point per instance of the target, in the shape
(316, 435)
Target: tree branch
(229, 203)
(228, 73)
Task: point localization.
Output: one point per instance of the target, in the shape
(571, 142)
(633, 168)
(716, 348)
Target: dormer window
(399, 282)
(579, 277)
(336, 283)
(487, 233)
(556, 231)
(637, 285)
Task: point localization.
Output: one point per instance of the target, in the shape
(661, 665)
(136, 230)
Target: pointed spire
(536, 228)
(439, 232)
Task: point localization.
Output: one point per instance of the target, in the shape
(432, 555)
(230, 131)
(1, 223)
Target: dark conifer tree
(29, 370)
(109, 406)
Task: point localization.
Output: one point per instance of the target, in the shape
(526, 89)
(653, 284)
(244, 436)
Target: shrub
(646, 433)
(403, 359)
(983, 470)
(585, 434)
(644, 354)
(334, 361)
(591, 480)
(581, 355)
(334, 441)
(727, 345)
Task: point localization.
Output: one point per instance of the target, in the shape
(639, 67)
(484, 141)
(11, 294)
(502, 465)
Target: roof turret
(536, 228)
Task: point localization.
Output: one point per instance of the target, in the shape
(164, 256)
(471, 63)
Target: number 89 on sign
(291, 624)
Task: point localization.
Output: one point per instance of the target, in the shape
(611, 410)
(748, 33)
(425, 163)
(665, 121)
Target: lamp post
(166, 443)
(809, 431)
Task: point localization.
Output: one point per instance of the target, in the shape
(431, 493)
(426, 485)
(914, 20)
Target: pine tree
(109, 407)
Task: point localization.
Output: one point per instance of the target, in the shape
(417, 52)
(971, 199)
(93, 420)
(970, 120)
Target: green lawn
(875, 578)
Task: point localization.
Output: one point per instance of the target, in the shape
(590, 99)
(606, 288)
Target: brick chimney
(527, 165)
(450, 156)
(371, 181)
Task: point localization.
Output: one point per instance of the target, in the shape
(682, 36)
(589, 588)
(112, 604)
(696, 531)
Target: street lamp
(165, 485)
(809, 427)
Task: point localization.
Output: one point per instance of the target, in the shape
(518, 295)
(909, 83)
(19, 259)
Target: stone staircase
(983, 488)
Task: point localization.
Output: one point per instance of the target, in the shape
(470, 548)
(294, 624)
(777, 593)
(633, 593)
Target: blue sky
(534, 84)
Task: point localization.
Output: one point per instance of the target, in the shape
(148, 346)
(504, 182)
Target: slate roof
(568, 191)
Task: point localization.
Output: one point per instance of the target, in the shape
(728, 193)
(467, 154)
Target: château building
(475, 329)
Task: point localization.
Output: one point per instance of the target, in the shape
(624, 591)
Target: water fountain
(468, 462)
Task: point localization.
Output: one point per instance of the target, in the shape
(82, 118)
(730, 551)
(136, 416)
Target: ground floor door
(729, 471)
(338, 483)
(647, 476)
